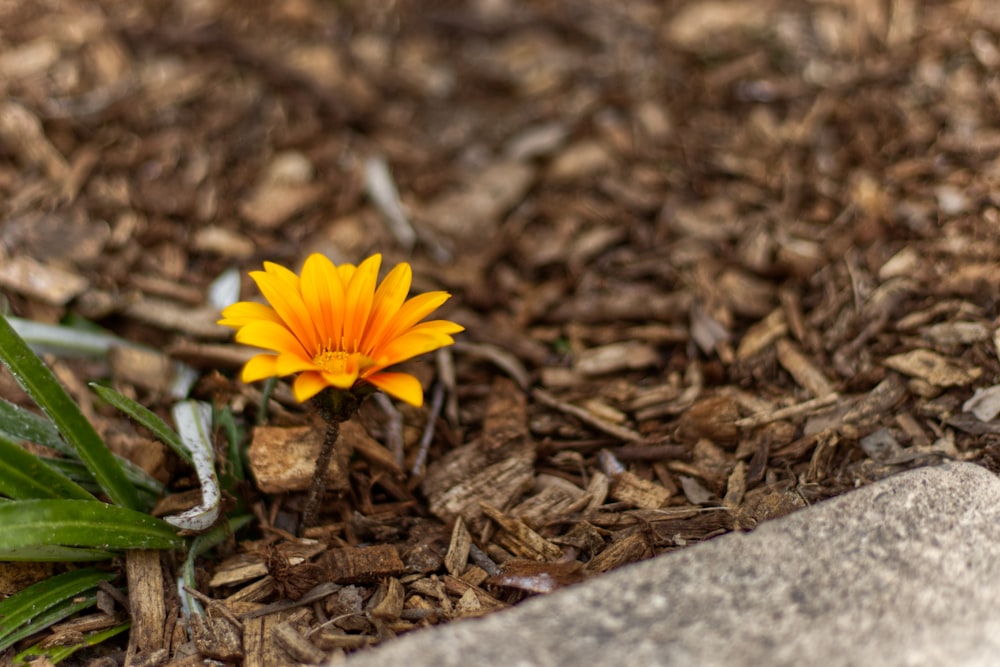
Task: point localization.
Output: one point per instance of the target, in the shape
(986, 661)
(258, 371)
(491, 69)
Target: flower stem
(318, 486)
(334, 406)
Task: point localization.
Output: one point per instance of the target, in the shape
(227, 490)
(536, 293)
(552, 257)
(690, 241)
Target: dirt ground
(717, 260)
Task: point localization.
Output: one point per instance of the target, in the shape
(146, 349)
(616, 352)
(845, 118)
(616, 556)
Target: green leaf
(43, 387)
(55, 553)
(30, 609)
(144, 416)
(21, 424)
(33, 524)
(149, 488)
(58, 653)
(24, 475)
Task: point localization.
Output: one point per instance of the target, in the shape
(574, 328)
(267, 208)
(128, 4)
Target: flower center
(332, 361)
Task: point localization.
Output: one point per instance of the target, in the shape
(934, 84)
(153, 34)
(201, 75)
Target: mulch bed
(717, 261)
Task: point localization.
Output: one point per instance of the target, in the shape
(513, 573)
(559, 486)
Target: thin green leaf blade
(24, 608)
(58, 653)
(56, 554)
(24, 476)
(144, 416)
(80, 523)
(21, 424)
(43, 387)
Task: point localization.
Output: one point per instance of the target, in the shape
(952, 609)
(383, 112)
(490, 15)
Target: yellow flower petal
(389, 297)
(359, 294)
(289, 305)
(438, 326)
(410, 313)
(287, 276)
(307, 385)
(323, 293)
(270, 336)
(403, 386)
(412, 344)
(259, 367)
(290, 362)
(344, 380)
(245, 312)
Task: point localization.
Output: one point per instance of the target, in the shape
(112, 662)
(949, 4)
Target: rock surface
(901, 572)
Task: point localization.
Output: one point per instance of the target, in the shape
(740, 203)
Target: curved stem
(318, 486)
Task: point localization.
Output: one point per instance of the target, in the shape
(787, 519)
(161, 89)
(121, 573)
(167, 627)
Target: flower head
(335, 328)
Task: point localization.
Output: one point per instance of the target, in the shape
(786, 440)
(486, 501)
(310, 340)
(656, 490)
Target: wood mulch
(717, 260)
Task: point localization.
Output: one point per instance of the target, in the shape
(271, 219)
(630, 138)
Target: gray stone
(902, 572)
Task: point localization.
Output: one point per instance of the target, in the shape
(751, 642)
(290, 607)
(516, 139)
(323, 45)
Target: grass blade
(31, 524)
(21, 424)
(43, 387)
(57, 654)
(24, 475)
(20, 613)
(144, 416)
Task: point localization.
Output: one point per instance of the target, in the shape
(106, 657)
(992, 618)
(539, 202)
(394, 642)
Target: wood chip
(351, 565)
(805, 372)
(216, 638)
(466, 476)
(147, 602)
(284, 459)
(49, 284)
(932, 367)
(143, 367)
(295, 645)
(390, 604)
(638, 492)
(457, 557)
(525, 542)
(506, 419)
(199, 322)
(629, 549)
(615, 357)
(471, 212)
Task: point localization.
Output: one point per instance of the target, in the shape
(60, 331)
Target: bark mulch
(717, 261)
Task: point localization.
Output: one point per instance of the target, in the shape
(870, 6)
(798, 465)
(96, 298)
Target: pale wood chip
(471, 212)
(457, 556)
(216, 638)
(639, 492)
(22, 132)
(800, 367)
(628, 549)
(295, 645)
(146, 601)
(389, 606)
(199, 321)
(37, 280)
(223, 242)
(762, 334)
(143, 367)
(626, 355)
(556, 497)
(713, 417)
(932, 367)
(457, 483)
(524, 540)
(587, 417)
(259, 647)
(736, 486)
(284, 459)
(244, 567)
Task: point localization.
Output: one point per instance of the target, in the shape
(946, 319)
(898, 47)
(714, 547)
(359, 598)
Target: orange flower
(335, 329)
